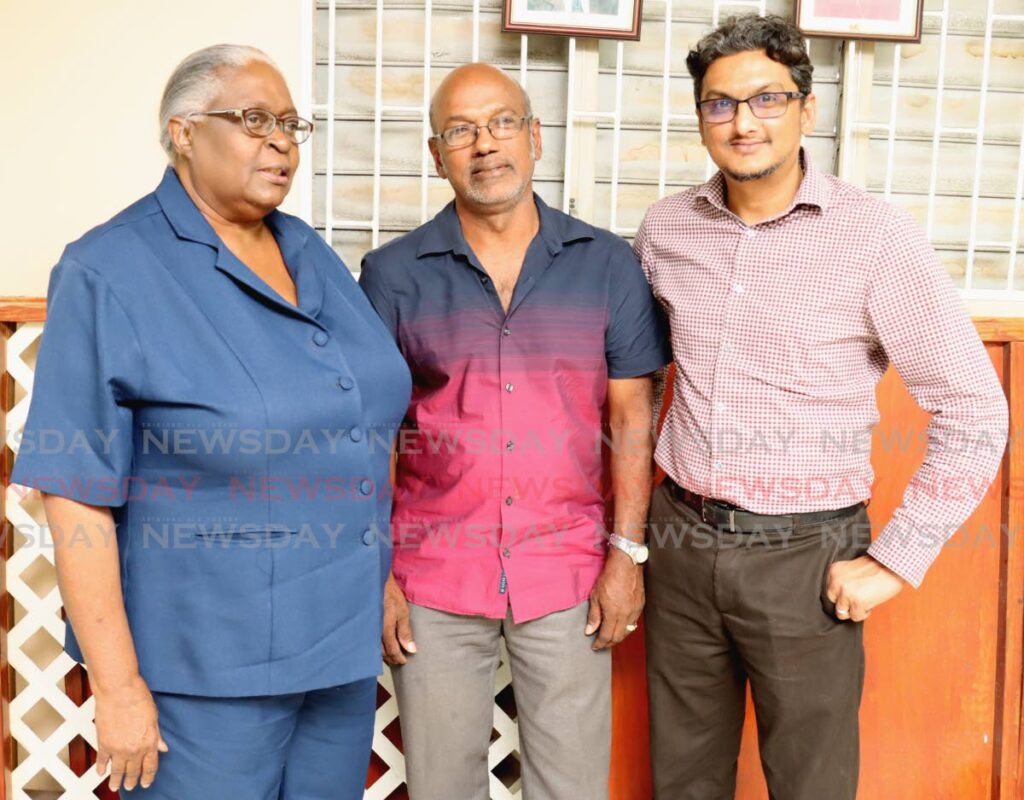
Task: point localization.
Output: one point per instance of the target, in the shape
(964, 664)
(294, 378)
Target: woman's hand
(128, 735)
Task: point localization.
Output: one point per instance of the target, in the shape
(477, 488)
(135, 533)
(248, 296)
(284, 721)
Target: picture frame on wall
(603, 19)
(877, 20)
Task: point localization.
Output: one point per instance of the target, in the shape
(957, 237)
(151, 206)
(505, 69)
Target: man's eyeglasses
(504, 126)
(764, 105)
(262, 123)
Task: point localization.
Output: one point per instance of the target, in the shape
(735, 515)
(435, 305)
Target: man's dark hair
(777, 36)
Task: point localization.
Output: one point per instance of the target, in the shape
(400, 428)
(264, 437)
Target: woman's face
(239, 176)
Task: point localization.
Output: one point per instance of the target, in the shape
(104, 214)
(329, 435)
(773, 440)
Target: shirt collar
(189, 223)
(181, 212)
(444, 232)
(814, 189)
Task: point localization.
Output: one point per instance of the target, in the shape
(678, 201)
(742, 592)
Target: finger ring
(631, 628)
(843, 612)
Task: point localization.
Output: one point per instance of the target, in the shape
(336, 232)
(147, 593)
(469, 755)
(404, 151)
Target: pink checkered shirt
(780, 333)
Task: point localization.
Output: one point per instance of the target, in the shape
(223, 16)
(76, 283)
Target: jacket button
(507, 332)
(320, 338)
(365, 487)
(509, 387)
(355, 435)
(369, 537)
(345, 382)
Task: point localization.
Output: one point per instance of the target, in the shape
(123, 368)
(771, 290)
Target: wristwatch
(637, 551)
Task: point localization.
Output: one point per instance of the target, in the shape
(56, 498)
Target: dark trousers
(727, 608)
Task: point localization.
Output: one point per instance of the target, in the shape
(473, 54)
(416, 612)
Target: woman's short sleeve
(77, 441)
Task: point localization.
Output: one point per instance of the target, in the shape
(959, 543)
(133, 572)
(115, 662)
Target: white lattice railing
(51, 721)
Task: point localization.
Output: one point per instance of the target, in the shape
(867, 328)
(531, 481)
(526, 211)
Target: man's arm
(618, 596)
(660, 381)
(641, 249)
(922, 327)
(396, 637)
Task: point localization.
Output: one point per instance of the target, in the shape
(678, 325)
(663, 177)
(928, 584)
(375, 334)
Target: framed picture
(604, 19)
(883, 20)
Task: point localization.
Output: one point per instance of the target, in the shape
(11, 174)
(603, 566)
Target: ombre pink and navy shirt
(499, 498)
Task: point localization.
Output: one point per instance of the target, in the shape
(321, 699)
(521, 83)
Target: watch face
(641, 553)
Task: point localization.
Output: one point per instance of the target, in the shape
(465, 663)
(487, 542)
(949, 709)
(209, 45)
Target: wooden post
(858, 73)
(6, 549)
(584, 132)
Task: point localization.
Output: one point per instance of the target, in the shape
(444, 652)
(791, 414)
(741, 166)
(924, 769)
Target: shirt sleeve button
(369, 537)
(365, 487)
(355, 435)
(320, 338)
(345, 382)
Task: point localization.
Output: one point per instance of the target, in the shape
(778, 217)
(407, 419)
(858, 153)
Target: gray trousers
(563, 699)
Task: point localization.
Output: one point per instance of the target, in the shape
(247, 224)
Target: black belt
(734, 519)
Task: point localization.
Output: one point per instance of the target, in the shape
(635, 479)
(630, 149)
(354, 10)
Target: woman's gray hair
(197, 80)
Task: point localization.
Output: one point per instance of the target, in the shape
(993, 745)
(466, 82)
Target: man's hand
(616, 601)
(128, 737)
(397, 636)
(861, 585)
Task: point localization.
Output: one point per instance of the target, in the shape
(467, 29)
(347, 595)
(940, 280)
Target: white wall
(81, 88)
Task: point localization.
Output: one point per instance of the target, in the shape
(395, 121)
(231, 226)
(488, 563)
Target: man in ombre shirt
(531, 337)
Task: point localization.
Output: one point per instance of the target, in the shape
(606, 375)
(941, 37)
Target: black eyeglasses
(504, 126)
(763, 105)
(261, 123)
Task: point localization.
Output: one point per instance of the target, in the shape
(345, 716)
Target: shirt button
(506, 552)
(751, 232)
(509, 387)
(484, 280)
(355, 435)
(320, 338)
(369, 537)
(738, 288)
(717, 465)
(365, 487)
(508, 501)
(506, 332)
(720, 406)
(510, 445)
(726, 347)
(345, 382)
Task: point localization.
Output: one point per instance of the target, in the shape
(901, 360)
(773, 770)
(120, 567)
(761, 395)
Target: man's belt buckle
(704, 515)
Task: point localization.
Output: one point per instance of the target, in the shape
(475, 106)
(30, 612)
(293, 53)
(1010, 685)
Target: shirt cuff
(907, 552)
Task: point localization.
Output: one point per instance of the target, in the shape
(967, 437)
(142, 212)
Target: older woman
(225, 395)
